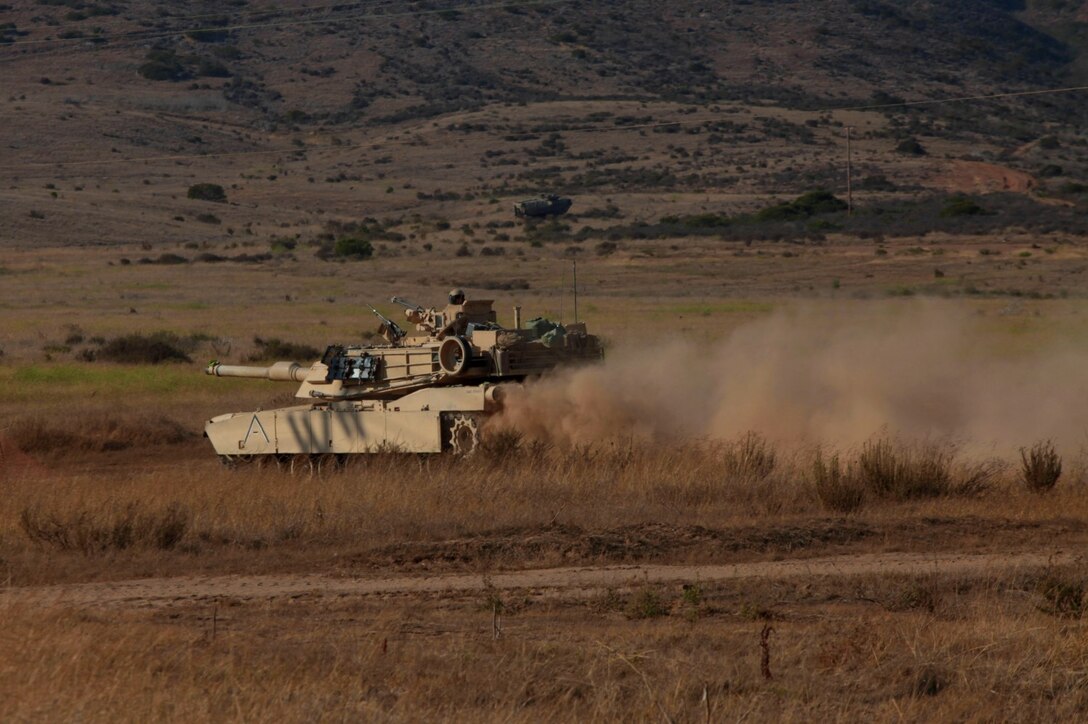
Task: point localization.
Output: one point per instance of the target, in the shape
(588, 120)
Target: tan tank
(421, 392)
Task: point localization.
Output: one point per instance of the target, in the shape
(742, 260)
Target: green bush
(207, 192)
(804, 206)
(911, 147)
(144, 349)
(354, 247)
(961, 206)
(208, 68)
(163, 65)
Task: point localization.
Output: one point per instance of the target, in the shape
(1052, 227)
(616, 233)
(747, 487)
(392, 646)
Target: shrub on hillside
(961, 206)
(207, 192)
(278, 349)
(803, 207)
(911, 147)
(163, 65)
(144, 349)
(353, 247)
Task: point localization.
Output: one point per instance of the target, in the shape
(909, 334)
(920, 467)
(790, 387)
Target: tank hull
(426, 421)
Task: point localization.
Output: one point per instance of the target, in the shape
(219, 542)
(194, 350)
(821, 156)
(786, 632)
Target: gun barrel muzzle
(280, 371)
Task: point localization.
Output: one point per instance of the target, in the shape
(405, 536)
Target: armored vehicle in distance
(427, 391)
(542, 206)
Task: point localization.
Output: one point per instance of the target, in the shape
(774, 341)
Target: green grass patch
(183, 306)
(149, 285)
(28, 382)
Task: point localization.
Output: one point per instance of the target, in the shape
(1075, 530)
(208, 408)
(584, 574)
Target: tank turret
(424, 390)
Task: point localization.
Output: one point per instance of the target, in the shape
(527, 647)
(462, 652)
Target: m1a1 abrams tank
(421, 392)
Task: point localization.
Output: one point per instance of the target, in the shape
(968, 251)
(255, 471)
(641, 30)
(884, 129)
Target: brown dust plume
(823, 374)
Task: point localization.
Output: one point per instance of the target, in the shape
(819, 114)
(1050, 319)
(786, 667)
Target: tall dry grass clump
(838, 486)
(751, 457)
(106, 528)
(894, 470)
(1040, 467)
(92, 433)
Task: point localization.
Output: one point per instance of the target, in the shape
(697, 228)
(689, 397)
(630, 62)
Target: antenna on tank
(575, 263)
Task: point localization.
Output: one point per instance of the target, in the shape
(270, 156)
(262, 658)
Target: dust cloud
(828, 375)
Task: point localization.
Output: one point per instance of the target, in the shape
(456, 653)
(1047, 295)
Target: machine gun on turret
(390, 329)
(406, 304)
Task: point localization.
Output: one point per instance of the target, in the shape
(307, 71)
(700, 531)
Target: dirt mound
(94, 433)
(558, 544)
(12, 458)
(976, 177)
(202, 590)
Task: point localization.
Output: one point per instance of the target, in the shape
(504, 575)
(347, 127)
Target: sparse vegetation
(353, 247)
(839, 488)
(207, 192)
(274, 349)
(961, 206)
(1040, 467)
(154, 349)
(106, 530)
(803, 207)
(910, 147)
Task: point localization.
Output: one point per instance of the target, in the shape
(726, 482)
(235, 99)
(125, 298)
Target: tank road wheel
(328, 463)
(232, 462)
(462, 434)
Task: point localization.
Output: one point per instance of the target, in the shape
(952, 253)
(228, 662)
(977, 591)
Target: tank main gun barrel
(279, 372)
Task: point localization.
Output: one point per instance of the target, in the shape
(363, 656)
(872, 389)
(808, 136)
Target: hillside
(448, 111)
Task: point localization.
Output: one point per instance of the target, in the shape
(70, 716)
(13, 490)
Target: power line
(275, 11)
(583, 129)
(960, 99)
(153, 35)
(171, 157)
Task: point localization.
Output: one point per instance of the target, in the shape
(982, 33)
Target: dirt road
(155, 592)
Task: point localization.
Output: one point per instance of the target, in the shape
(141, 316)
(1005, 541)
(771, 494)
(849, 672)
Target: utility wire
(153, 35)
(582, 129)
(275, 11)
(961, 99)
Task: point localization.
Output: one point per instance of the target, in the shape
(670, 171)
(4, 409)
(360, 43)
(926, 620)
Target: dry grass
(921, 647)
(94, 532)
(983, 650)
(142, 496)
(1040, 467)
(81, 434)
(889, 469)
(173, 507)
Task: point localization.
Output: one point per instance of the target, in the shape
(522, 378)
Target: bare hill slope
(112, 109)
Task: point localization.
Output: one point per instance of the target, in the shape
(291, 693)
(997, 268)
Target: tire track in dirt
(159, 592)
